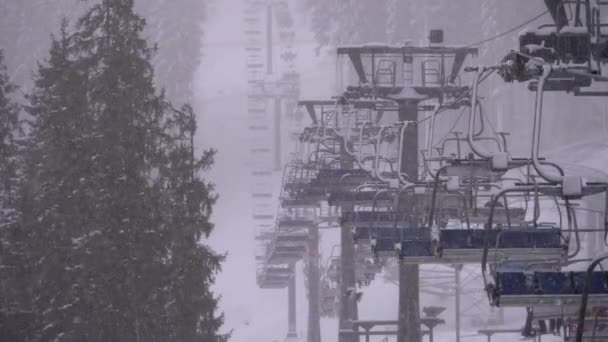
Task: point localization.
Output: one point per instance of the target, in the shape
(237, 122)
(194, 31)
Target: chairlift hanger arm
(472, 115)
(536, 130)
(429, 141)
(402, 176)
(493, 204)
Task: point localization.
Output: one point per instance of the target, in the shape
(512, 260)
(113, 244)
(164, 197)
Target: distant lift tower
(407, 75)
(264, 86)
(284, 89)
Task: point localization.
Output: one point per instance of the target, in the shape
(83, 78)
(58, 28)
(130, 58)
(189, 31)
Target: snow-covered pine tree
(187, 204)
(58, 201)
(117, 258)
(14, 305)
(10, 130)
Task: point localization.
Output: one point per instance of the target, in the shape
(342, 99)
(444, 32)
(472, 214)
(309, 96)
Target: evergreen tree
(117, 207)
(14, 315)
(10, 129)
(57, 198)
(188, 204)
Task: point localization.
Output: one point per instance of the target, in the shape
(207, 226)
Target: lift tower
(324, 117)
(408, 75)
(273, 85)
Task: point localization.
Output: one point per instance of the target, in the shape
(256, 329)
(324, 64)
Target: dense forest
(174, 27)
(103, 202)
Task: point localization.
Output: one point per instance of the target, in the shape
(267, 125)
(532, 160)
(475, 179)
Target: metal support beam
(458, 268)
(291, 310)
(314, 316)
(355, 59)
(409, 292)
(558, 12)
(348, 301)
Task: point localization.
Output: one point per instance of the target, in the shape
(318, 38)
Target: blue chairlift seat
(513, 283)
(548, 289)
(414, 250)
(556, 283)
(414, 244)
(378, 219)
(467, 245)
(599, 282)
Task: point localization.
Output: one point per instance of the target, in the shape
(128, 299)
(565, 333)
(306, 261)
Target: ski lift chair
(296, 219)
(521, 289)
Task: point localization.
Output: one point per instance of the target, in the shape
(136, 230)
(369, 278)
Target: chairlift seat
(284, 258)
(368, 233)
(467, 245)
(412, 246)
(554, 283)
(329, 188)
(501, 215)
(308, 193)
(446, 214)
(294, 223)
(273, 278)
(599, 282)
(475, 238)
(391, 235)
(347, 179)
(540, 289)
(377, 219)
(298, 237)
(417, 251)
(513, 283)
(300, 203)
(362, 198)
(472, 169)
(286, 255)
(282, 270)
(265, 283)
(336, 174)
